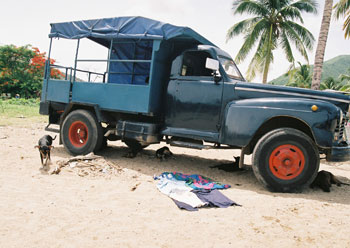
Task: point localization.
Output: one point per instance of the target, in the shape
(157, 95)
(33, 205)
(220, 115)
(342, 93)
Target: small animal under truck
(165, 83)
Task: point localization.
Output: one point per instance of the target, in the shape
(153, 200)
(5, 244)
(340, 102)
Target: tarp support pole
(47, 70)
(47, 66)
(109, 58)
(49, 55)
(76, 60)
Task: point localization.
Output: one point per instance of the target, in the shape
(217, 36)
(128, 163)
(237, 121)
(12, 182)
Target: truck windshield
(230, 68)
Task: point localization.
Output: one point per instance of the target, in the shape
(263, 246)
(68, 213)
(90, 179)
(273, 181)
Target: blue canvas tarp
(124, 28)
(131, 72)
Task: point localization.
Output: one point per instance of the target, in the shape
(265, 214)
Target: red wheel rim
(286, 162)
(78, 134)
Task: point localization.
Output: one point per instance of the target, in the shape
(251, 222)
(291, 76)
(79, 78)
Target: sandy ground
(124, 209)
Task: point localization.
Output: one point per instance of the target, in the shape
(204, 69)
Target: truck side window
(194, 64)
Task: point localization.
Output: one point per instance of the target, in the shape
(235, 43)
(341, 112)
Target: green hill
(331, 68)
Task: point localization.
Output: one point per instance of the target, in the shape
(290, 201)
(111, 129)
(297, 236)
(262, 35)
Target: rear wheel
(81, 133)
(285, 160)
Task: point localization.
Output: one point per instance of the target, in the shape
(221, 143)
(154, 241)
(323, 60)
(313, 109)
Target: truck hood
(254, 90)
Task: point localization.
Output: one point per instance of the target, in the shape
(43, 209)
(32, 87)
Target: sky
(25, 22)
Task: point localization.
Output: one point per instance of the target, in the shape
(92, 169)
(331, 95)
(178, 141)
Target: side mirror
(212, 64)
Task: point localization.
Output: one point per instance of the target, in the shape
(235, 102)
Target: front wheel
(285, 160)
(81, 133)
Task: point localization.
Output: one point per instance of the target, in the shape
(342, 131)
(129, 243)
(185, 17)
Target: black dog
(324, 180)
(45, 146)
(230, 167)
(164, 153)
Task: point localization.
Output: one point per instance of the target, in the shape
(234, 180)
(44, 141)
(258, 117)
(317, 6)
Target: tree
(345, 77)
(300, 77)
(22, 69)
(332, 84)
(321, 45)
(272, 25)
(342, 8)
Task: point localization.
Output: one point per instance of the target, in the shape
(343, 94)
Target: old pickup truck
(165, 83)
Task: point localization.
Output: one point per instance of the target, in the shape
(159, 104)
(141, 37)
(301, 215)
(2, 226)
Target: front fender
(243, 118)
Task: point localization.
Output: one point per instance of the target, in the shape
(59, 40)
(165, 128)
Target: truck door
(195, 97)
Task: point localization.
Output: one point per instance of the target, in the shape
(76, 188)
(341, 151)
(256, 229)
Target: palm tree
(321, 45)
(345, 77)
(272, 25)
(342, 8)
(331, 84)
(300, 77)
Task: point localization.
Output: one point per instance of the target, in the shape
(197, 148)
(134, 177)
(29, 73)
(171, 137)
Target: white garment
(179, 191)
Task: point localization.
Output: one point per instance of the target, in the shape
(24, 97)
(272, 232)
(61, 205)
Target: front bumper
(338, 154)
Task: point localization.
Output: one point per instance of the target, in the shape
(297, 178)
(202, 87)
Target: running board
(190, 145)
(54, 130)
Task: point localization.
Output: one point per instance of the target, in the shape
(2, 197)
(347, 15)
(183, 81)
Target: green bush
(21, 101)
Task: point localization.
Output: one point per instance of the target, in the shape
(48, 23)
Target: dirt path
(124, 208)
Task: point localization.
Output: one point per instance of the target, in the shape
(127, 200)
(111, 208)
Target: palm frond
(341, 8)
(346, 25)
(241, 27)
(256, 64)
(305, 35)
(308, 6)
(291, 13)
(249, 7)
(286, 47)
(344, 77)
(250, 40)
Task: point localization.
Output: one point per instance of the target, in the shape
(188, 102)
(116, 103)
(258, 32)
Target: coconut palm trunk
(321, 45)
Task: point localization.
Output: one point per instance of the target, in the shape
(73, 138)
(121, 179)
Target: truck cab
(165, 83)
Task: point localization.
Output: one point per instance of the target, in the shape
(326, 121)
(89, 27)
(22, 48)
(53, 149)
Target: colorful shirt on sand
(195, 181)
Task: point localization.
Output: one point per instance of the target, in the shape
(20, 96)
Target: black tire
(285, 160)
(81, 132)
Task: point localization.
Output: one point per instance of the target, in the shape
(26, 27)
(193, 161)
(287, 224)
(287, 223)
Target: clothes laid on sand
(178, 190)
(215, 198)
(197, 182)
(193, 191)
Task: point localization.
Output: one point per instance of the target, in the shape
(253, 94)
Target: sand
(119, 205)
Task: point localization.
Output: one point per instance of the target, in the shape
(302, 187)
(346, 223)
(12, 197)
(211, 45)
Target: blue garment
(214, 198)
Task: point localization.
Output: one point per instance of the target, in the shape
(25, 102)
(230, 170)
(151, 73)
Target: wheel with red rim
(285, 160)
(81, 133)
(78, 133)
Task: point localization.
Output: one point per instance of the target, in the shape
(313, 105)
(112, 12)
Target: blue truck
(165, 83)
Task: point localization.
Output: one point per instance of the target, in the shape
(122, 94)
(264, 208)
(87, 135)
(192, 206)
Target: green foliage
(300, 77)
(15, 71)
(20, 112)
(342, 8)
(22, 70)
(272, 25)
(333, 84)
(331, 68)
(345, 77)
(22, 101)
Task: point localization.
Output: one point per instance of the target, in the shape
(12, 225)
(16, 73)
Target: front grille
(340, 134)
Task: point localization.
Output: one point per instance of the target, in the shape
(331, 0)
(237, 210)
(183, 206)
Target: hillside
(331, 68)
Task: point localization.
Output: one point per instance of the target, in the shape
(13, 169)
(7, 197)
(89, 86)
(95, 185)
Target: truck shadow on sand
(146, 163)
